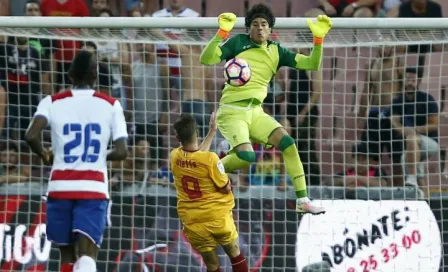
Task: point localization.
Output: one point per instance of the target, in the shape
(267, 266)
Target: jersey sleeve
(286, 57)
(43, 109)
(228, 48)
(214, 53)
(299, 61)
(217, 171)
(119, 129)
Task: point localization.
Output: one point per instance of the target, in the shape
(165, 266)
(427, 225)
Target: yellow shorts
(206, 236)
(245, 125)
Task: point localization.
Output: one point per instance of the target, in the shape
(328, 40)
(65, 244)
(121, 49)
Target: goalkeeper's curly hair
(260, 11)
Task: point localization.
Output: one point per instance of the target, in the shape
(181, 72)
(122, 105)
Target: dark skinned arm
(119, 152)
(33, 138)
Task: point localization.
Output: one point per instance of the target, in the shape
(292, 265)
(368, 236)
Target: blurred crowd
(397, 121)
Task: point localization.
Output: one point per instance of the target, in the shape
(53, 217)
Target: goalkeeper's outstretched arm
(319, 29)
(212, 52)
(311, 62)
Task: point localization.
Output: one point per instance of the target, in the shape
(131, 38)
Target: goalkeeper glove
(321, 27)
(226, 22)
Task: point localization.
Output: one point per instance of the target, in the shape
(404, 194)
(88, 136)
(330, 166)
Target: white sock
(84, 264)
(303, 200)
(411, 180)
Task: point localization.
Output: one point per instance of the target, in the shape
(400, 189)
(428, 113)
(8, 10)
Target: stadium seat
(218, 7)
(279, 7)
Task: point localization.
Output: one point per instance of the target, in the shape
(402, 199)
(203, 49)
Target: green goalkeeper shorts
(240, 125)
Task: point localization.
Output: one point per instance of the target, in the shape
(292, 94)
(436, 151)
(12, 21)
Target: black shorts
(379, 136)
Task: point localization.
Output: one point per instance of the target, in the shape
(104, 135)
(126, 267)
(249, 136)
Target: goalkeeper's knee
(285, 142)
(247, 156)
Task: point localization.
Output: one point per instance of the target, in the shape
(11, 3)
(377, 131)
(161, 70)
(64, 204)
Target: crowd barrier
(145, 235)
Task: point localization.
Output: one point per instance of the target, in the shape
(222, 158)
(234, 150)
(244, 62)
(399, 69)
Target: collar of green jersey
(268, 42)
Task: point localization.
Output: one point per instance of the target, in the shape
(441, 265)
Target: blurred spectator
(11, 171)
(365, 172)
(150, 98)
(105, 79)
(302, 111)
(176, 9)
(44, 46)
(116, 57)
(163, 176)
(420, 9)
(389, 8)
(98, 6)
(134, 168)
(381, 134)
(32, 8)
(67, 8)
(65, 50)
(383, 80)
(344, 8)
(21, 78)
(197, 85)
(417, 111)
(134, 7)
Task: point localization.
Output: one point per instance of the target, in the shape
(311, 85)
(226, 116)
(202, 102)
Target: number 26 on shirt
(80, 135)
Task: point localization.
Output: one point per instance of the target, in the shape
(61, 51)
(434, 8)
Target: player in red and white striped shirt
(82, 124)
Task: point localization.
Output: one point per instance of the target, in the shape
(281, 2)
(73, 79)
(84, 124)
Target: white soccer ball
(237, 72)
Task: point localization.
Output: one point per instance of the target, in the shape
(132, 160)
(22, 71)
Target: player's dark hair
(83, 69)
(260, 11)
(415, 70)
(91, 44)
(185, 128)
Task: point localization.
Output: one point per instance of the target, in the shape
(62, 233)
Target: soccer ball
(237, 72)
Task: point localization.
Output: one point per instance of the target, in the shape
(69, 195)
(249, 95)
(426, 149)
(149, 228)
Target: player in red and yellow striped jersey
(205, 200)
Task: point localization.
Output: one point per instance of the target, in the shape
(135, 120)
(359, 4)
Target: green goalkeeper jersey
(264, 61)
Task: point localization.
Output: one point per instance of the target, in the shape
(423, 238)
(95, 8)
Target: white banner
(364, 236)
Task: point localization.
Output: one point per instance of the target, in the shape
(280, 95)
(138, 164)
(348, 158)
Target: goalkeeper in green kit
(240, 117)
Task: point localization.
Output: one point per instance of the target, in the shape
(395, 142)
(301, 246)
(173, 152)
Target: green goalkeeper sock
(293, 165)
(238, 160)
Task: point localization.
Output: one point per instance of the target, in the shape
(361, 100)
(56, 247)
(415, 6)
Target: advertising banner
(360, 236)
(146, 235)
